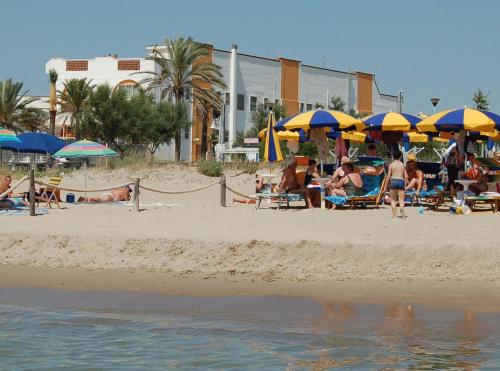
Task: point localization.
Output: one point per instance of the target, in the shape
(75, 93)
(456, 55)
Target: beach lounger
(279, 198)
(373, 186)
(50, 194)
(492, 199)
(490, 164)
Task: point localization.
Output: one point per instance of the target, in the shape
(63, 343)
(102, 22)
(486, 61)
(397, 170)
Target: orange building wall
(197, 123)
(290, 85)
(365, 90)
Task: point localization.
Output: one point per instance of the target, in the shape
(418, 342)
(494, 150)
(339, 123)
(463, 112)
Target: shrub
(210, 168)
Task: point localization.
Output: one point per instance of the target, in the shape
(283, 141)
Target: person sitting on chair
(337, 175)
(415, 176)
(350, 184)
(313, 196)
(480, 186)
(119, 194)
(290, 182)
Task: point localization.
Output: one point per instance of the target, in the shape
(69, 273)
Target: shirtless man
(289, 182)
(5, 181)
(119, 194)
(396, 178)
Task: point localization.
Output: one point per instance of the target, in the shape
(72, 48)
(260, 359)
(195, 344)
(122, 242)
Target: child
(396, 178)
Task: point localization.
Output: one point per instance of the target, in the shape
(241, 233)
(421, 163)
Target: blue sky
(442, 48)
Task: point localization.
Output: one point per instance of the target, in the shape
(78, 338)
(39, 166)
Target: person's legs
(401, 194)
(308, 197)
(412, 185)
(393, 194)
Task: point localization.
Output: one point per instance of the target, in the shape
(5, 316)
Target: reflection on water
(134, 331)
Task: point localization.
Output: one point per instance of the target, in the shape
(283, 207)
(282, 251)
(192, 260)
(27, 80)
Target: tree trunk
(52, 129)
(204, 138)
(178, 146)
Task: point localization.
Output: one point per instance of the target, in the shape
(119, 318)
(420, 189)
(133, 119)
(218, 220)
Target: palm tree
(12, 102)
(74, 100)
(185, 70)
(53, 100)
(337, 104)
(481, 99)
(32, 119)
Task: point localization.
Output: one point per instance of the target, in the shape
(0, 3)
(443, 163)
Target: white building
(250, 80)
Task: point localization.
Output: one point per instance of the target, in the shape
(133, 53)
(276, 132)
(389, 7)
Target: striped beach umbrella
(272, 149)
(319, 119)
(84, 148)
(8, 137)
(391, 121)
(282, 135)
(460, 119)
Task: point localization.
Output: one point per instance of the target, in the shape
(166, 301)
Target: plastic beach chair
(49, 193)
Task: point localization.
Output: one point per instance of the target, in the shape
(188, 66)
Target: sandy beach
(187, 244)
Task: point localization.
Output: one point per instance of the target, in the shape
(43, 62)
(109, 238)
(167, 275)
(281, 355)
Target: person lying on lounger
(7, 201)
(119, 194)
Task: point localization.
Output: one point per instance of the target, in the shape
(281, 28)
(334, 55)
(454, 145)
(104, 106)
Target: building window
(129, 65)
(266, 102)
(301, 107)
(309, 106)
(276, 102)
(253, 104)
(186, 133)
(129, 89)
(240, 102)
(228, 98)
(187, 95)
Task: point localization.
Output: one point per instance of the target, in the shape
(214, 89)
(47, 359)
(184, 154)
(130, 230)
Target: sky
(442, 48)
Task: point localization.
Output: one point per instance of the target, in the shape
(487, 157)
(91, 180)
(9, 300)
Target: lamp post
(435, 102)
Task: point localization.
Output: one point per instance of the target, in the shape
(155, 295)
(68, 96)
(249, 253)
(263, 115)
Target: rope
(177, 192)
(11, 189)
(240, 194)
(81, 190)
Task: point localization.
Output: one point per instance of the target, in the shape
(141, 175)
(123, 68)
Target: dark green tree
(337, 104)
(481, 100)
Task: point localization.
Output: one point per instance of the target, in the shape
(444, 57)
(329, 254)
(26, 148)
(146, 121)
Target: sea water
(56, 330)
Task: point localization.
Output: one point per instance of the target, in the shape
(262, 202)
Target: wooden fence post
(32, 192)
(223, 190)
(136, 194)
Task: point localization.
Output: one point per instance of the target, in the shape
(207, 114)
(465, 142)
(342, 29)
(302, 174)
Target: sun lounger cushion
(340, 200)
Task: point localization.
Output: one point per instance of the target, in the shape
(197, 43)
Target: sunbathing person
(415, 176)
(119, 194)
(8, 201)
(312, 195)
(290, 182)
(337, 175)
(349, 185)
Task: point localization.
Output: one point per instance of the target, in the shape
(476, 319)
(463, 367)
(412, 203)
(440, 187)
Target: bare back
(397, 170)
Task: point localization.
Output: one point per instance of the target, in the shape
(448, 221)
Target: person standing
(396, 178)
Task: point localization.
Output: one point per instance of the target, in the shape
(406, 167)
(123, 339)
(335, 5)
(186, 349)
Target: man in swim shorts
(396, 178)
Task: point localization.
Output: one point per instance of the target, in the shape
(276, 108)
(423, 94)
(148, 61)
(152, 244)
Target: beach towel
(340, 200)
(23, 211)
(154, 205)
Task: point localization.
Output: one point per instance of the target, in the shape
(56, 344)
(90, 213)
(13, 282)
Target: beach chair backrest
(55, 181)
(429, 167)
(432, 182)
(381, 191)
(370, 182)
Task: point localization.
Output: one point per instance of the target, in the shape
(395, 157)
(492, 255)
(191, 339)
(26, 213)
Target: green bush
(210, 168)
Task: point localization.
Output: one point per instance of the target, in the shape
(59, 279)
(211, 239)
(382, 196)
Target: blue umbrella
(34, 142)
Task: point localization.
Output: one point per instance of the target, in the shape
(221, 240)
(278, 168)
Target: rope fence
(177, 192)
(136, 190)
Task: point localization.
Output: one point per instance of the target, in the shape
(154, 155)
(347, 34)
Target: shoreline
(472, 295)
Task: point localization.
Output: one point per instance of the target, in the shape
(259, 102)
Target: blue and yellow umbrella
(460, 119)
(320, 119)
(391, 121)
(272, 150)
